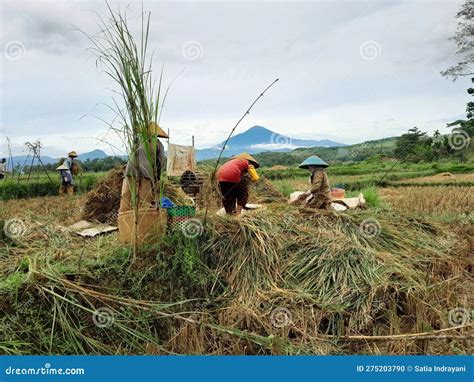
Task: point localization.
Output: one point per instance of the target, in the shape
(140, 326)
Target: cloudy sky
(349, 70)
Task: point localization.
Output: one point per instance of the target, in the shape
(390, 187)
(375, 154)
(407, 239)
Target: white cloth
(180, 159)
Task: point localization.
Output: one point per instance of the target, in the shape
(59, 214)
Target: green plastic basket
(179, 215)
(181, 211)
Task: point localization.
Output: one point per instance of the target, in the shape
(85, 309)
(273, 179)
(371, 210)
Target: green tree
(466, 124)
(414, 146)
(465, 43)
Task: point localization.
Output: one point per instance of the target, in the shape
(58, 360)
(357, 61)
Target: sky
(349, 71)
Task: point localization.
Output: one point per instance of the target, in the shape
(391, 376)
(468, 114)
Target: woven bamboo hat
(248, 157)
(154, 129)
(72, 154)
(313, 160)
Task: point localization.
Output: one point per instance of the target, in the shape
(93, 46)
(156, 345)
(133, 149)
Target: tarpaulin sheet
(180, 159)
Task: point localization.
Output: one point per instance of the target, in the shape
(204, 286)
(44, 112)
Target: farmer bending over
(233, 179)
(145, 173)
(319, 195)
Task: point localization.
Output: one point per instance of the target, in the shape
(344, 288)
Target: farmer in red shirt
(233, 181)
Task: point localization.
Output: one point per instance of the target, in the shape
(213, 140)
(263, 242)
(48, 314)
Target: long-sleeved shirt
(145, 168)
(3, 168)
(66, 177)
(68, 162)
(319, 182)
(320, 192)
(233, 170)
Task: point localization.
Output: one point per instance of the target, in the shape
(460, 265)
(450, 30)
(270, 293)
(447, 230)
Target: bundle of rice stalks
(264, 191)
(103, 202)
(210, 196)
(351, 279)
(245, 252)
(278, 281)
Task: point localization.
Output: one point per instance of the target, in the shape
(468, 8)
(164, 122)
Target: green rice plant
(126, 60)
(12, 189)
(284, 187)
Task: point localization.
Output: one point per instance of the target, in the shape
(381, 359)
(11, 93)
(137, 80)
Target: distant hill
(259, 139)
(95, 154)
(20, 159)
(279, 150)
(357, 152)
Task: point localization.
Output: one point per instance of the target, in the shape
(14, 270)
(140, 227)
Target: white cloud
(326, 89)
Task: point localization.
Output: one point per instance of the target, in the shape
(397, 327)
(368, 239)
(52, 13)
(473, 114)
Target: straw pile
(103, 201)
(262, 191)
(279, 281)
(265, 192)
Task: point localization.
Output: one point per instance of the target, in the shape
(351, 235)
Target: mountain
(95, 154)
(383, 148)
(20, 159)
(259, 139)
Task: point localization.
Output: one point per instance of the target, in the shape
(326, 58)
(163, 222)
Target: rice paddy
(392, 278)
(277, 281)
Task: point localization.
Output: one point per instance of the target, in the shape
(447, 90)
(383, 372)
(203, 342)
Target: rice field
(443, 202)
(279, 281)
(442, 178)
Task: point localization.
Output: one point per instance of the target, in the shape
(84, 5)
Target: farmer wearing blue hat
(319, 195)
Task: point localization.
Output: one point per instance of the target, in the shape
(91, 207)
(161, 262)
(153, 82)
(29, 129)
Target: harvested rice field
(442, 178)
(283, 280)
(431, 201)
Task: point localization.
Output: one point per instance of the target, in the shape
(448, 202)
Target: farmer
(146, 172)
(3, 168)
(233, 179)
(319, 194)
(72, 164)
(69, 161)
(66, 186)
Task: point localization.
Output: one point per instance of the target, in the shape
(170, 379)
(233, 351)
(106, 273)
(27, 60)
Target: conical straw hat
(154, 129)
(248, 157)
(313, 160)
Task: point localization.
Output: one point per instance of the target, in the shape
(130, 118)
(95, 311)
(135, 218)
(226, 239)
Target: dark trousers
(234, 194)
